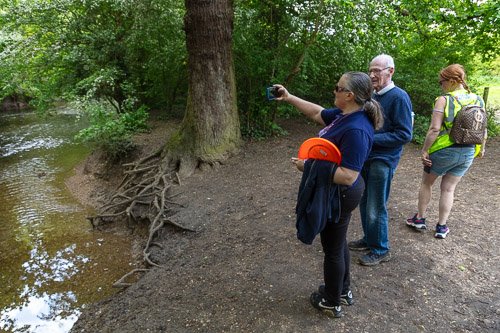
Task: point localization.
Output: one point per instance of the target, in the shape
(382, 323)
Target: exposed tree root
(144, 194)
(121, 284)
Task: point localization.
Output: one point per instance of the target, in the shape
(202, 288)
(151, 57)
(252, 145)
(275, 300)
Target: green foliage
(116, 55)
(125, 52)
(493, 121)
(112, 133)
(433, 35)
(489, 77)
(494, 96)
(265, 128)
(271, 37)
(259, 127)
(296, 43)
(488, 74)
(257, 133)
(420, 127)
(136, 121)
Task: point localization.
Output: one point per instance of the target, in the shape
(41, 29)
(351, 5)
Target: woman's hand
(284, 94)
(308, 109)
(426, 160)
(299, 163)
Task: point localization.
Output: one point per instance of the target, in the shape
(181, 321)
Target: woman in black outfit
(350, 127)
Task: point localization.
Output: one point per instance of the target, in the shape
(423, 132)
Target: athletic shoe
(345, 299)
(323, 305)
(441, 231)
(418, 224)
(358, 245)
(372, 259)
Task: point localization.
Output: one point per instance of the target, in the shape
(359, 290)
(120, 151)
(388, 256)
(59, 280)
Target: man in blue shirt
(381, 164)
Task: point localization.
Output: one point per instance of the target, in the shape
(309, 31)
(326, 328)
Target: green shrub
(257, 133)
(493, 121)
(136, 121)
(420, 127)
(112, 132)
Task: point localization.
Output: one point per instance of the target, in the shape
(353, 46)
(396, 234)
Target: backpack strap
(479, 101)
(451, 110)
(454, 99)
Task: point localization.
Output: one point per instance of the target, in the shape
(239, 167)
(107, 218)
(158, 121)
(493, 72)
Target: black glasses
(377, 71)
(340, 89)
(441, 81)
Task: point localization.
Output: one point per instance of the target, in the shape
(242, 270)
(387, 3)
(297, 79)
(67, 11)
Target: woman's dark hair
(360, 85)
(455, 72)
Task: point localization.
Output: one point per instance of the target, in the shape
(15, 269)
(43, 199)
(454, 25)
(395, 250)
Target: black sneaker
(358, 245)
(323, 305)
(372, 259)
(441, 231)
(346, 298)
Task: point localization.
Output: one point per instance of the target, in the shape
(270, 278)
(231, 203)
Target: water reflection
(39, 316)
(51, 262)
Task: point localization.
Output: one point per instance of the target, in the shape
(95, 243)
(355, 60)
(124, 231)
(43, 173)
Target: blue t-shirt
(351, 133)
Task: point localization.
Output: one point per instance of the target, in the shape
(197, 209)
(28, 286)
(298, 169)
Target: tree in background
(306, 45)
(431, 35)
(112, 60)
(121, 54)
(209, 132)
(210, 129)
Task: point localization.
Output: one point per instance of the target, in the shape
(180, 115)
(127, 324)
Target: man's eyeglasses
(377, 71)
(340, 89)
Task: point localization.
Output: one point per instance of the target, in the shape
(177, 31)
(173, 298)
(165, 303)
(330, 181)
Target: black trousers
(336, 265)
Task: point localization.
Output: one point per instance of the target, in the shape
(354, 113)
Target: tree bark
(210, 130)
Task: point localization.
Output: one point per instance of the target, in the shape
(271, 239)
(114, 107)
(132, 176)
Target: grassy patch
(493, 82)
(493, 96)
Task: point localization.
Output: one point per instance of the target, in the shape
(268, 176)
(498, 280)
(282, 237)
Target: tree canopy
(128, 53)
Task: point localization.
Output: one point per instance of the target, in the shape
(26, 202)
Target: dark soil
(244, 270)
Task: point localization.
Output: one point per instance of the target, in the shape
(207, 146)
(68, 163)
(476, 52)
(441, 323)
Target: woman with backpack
(441, 156)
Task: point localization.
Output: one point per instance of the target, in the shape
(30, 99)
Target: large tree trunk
(210, 130)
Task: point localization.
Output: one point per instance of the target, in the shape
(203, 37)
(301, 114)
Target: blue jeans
(378, 177)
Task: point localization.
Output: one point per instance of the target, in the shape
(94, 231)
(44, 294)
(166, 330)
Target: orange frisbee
(320, 149)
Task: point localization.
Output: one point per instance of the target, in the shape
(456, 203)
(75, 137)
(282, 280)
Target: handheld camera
(272, 93)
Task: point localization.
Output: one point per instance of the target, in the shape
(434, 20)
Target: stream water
(52, 264)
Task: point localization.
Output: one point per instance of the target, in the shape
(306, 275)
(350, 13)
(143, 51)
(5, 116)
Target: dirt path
(245, 271)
